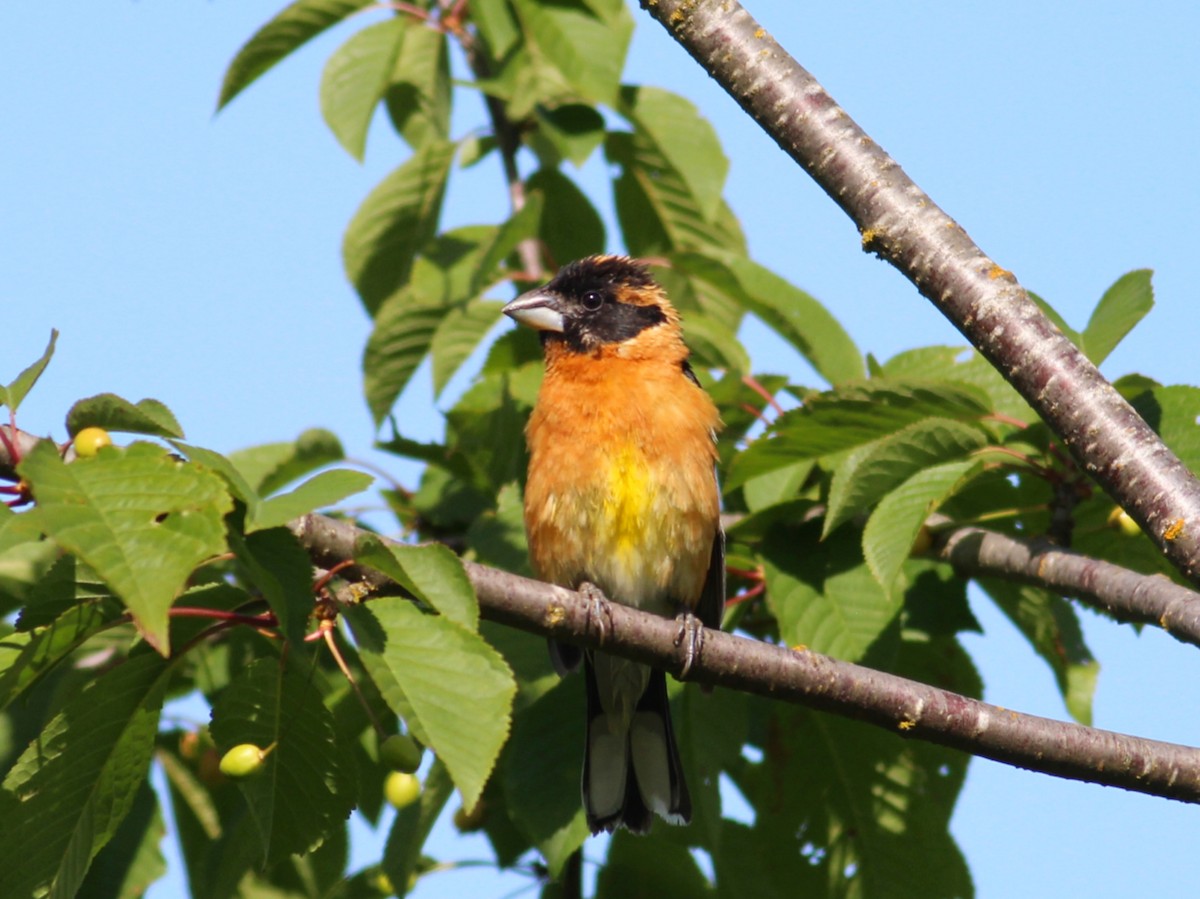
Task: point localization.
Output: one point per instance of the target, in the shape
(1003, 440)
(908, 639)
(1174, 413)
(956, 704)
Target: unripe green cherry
(89, 441)
(401, 753)
(401, 789)
(242, 760)
(1120, 520)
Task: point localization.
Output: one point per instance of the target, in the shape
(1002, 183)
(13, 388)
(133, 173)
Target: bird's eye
(592, 300)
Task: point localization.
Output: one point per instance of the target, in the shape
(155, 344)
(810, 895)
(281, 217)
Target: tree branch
(1124, 594)
(901, 224)
(905, 707)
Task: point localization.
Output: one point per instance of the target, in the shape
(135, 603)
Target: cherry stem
(266, 620)
(754, 591)
(752, 382)
(327, 628)
(323, 581)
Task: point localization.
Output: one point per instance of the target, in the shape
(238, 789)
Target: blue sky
(196, 259)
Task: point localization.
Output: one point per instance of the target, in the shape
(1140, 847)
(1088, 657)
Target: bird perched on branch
(622, 498)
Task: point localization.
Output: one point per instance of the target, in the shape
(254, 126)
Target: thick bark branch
(901, 224)
(908, 708)
(1124, 594)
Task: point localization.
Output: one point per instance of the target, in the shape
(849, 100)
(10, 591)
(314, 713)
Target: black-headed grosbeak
(622, 494)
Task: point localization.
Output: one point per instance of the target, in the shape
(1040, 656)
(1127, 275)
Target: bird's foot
(599, 615)
(691, 636)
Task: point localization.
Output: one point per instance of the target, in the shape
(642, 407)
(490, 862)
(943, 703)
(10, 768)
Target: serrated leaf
(575, 130)
(1119, 310)
(869, 801)
(277, 565)
(107, 410)
(521, 225)
(453, 690)
(872, 470)
(458, 334)
(776, 486)
(394, 222)
(824, 598)
(14, 393)
(127, 866)
(1051, 626)
(715, 345)
(270, 466)
(222, 467)
(893, 526)
(141, 519)
(432, 573)
(1059, 322)
(655, 207)
(851, 416)
(25, 657)
(965, 366)
(588, 51)
(292, 28)
(404, 330)
(685, 138)
(78, 779)
(356, 77)
(325, 489)
(304, 789)
(541, 773)
(418, 100)
(569, 225)
(800, 320)
(660, 867)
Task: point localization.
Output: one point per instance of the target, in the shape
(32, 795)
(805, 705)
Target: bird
(622, 499)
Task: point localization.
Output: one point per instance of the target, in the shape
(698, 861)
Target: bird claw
(598, 614)
(691, 634)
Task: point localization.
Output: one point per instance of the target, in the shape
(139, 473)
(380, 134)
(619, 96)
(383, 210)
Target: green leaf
(418, 100)
(356, 77)
(800, 320)
(109, 411)
(1052, 314)
(497, 26)
(296, 25)
(893, 526)
(588, 50)
(569, 226)
(326, 489)
(1173, 412)
(141, 519)
(222, 467)
(131, 862)
(26, 657)
(684, 137)
(14, 393)
(304, 789)
(457, 336)
(78, 779)
(452, 688)
(872, 470)
(404, 331)
(824, 596)
(655, 206)
(1122, 306)
(573, 129)
(277, 565)
(541, 773)
(650, 866)
(714, 345)
(397, 218)
(498, 535)
(962, 366)
(1051, 625)
(521, 225)
(270, 466)
(432, 573)
(776, 486)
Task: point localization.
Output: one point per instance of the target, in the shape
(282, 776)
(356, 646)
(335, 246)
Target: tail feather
(633, 771)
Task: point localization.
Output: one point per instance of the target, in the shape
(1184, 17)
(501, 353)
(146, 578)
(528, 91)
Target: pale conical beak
(537, 310)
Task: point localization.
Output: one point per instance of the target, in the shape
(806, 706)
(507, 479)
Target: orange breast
(621, 489)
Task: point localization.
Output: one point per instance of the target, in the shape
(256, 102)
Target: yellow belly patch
(627, 503)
